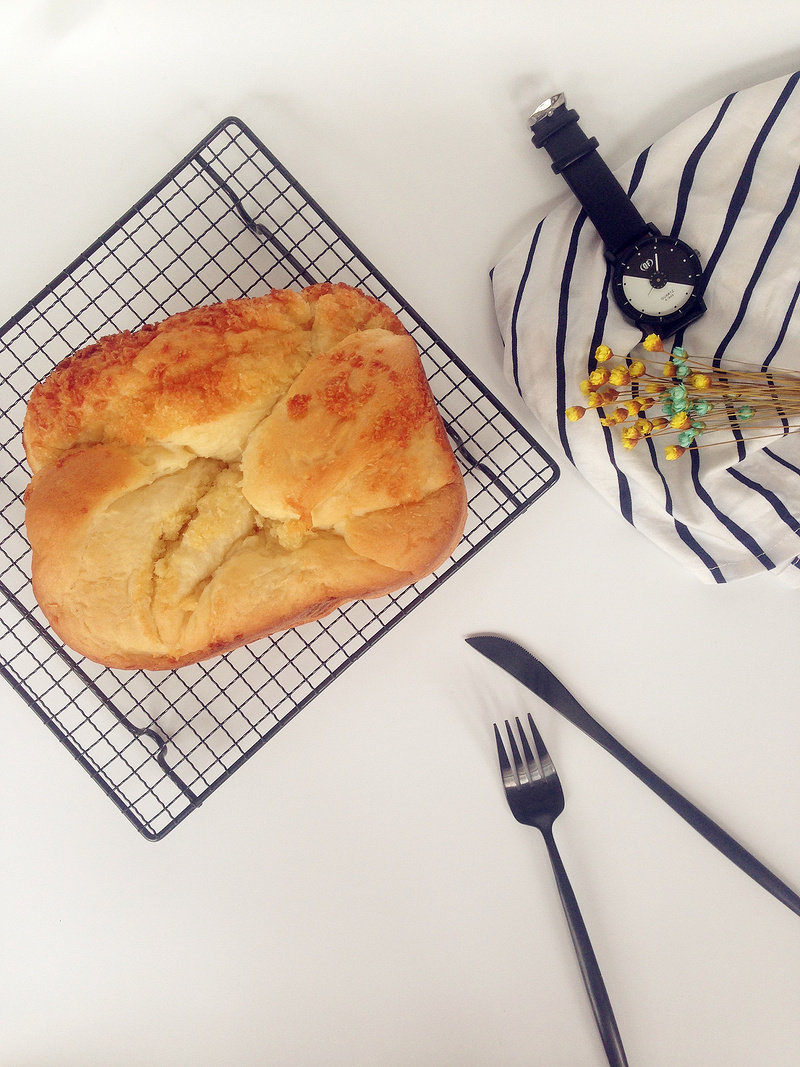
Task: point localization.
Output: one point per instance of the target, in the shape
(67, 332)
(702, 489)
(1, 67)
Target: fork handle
(590, 970)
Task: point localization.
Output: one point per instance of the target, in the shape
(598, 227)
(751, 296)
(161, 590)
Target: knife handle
(701, 822)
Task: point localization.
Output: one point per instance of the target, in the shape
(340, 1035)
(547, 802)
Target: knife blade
(526, 668)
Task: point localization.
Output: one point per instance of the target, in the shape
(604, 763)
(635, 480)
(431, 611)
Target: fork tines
(536, 757)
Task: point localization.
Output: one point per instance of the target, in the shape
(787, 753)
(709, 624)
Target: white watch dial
(650, 300)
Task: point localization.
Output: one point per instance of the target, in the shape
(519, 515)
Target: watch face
(656, 280)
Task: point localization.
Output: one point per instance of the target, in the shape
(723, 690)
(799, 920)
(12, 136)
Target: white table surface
(358, 894)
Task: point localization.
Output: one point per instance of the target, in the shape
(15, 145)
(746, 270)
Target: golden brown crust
(233, 471)
(220, 367)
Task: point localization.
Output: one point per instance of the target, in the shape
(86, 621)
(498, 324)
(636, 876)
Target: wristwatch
(657, 280)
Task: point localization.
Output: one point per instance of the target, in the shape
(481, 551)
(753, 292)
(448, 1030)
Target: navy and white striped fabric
(727, 181)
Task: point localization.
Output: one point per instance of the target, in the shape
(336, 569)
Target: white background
(358, 894)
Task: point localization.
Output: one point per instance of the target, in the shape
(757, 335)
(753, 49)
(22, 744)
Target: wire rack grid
(227, 221)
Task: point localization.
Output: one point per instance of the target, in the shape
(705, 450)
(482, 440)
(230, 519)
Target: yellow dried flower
(626, 392)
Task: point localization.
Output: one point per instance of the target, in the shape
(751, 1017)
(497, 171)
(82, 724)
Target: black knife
(527, 669)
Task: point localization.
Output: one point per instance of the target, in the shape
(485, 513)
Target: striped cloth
(727, 182)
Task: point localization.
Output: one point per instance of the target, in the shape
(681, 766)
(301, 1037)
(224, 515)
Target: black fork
(535, 796)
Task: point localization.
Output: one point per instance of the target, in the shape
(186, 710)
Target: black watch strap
(555, 128)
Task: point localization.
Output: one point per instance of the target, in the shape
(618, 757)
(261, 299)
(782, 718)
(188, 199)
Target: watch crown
(547, 107)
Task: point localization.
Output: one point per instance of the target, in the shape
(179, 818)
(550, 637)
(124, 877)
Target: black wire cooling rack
(227, 221)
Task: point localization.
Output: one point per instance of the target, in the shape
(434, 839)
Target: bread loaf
(232, 471)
